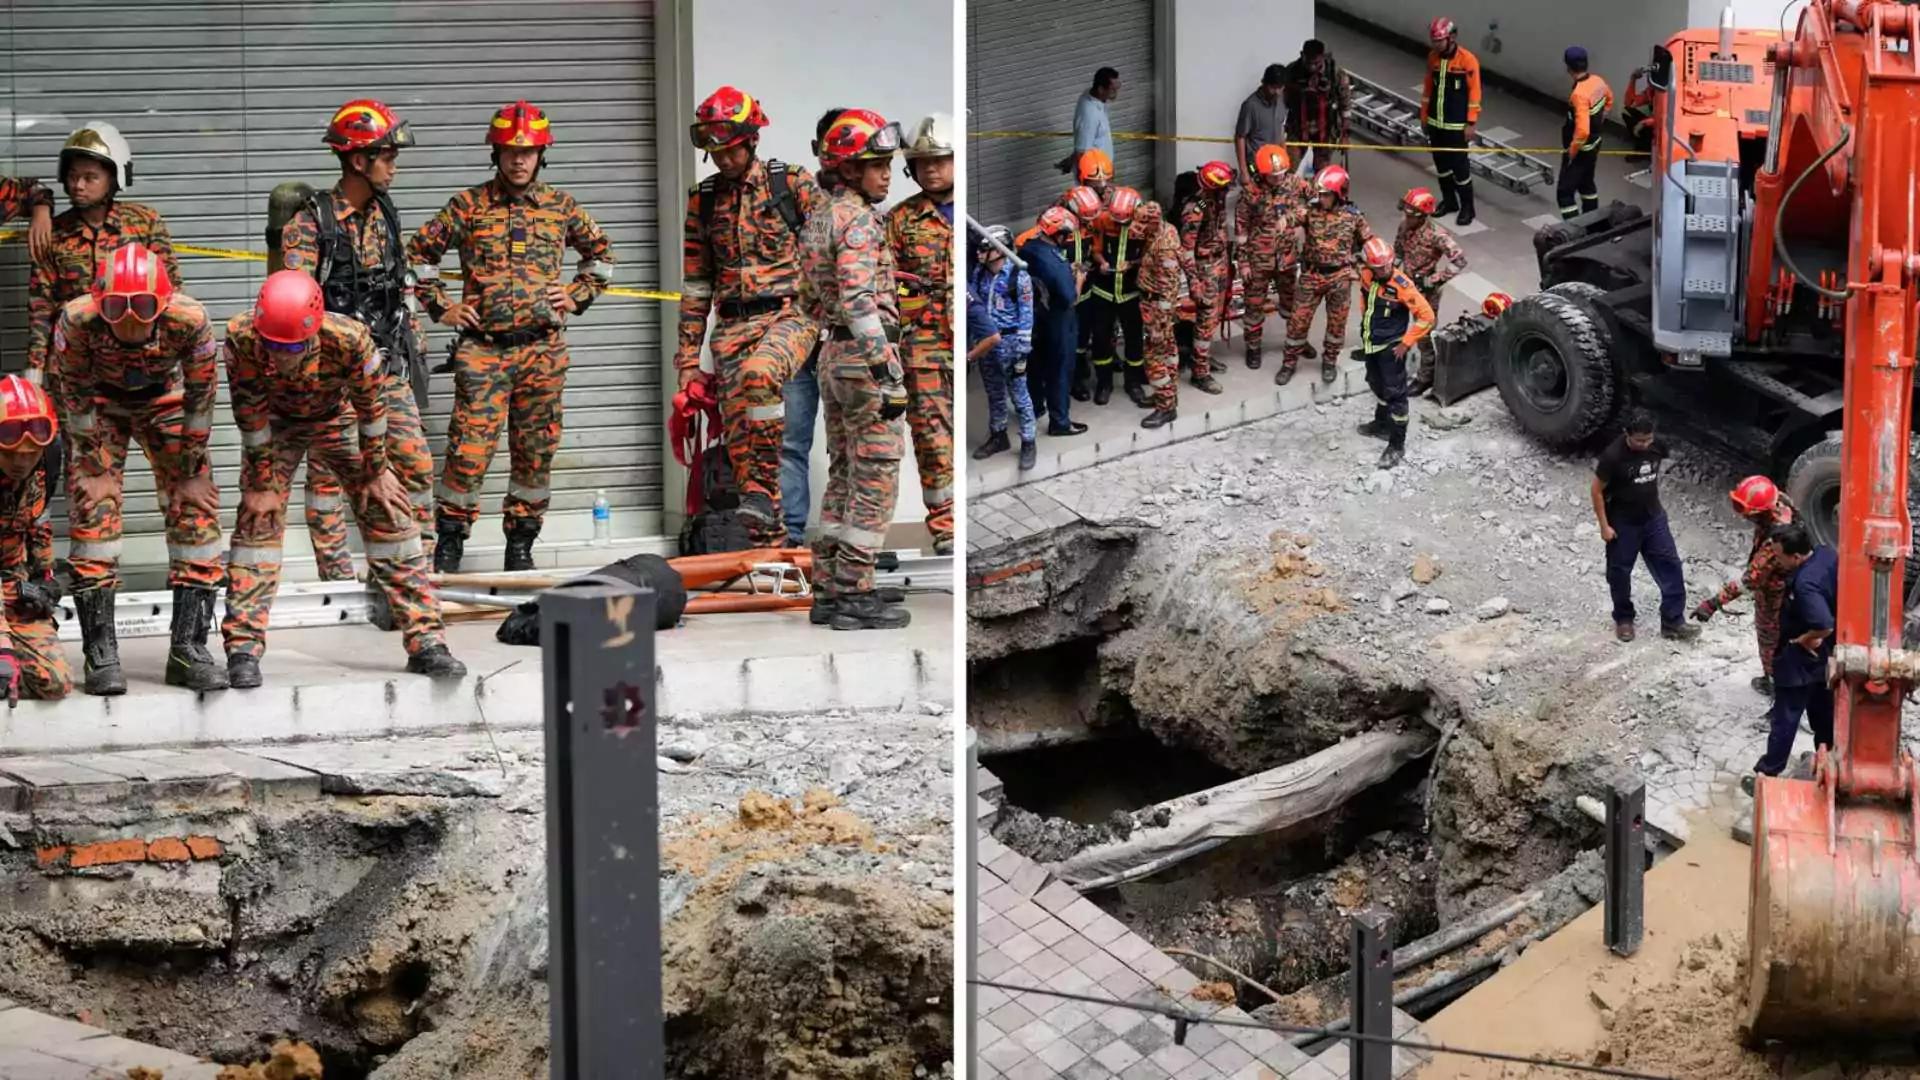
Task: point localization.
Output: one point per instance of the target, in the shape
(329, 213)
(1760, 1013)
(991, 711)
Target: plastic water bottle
(602, 520)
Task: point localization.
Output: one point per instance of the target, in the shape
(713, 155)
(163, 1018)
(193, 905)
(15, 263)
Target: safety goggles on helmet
(35, 431)
(289, 347)
(714, 135)
(142, 306)
(26, 414)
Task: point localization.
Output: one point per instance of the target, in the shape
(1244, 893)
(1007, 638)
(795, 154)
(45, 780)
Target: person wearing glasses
(32, 662)
(847, 265)
(301, 377)
(134, 362)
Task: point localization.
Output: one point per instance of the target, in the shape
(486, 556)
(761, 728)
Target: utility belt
(277, 419)
(842, 333)
(759, 305)
(511, 339)
(1329, 268)
(144, 393)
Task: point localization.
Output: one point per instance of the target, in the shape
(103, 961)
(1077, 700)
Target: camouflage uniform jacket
(1297, 191)
(845, 262)
(512, 247)
(1160, 266)
(1334, 237)
(1264, 225)
(922, 243)
(340, 368)
(26, 536)
(1764, 572)
(80, 251)
(752, 254)
(19, 195)
(1427, 253)
(86, 361)
(300, 243)
(1203, 230)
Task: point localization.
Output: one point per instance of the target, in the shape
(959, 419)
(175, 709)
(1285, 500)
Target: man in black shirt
(1806, 641)
(1626, 500)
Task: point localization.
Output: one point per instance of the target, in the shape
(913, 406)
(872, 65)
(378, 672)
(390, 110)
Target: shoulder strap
(783, 199)
(396, 260)
(324, 226)
(708, 192)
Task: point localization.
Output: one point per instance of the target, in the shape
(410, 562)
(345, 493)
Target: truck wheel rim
(1540, 373)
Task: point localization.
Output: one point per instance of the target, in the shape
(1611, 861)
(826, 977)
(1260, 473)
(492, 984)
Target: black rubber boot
(1029, 455)
(1136, 382)
(1329, 371)
(435, 662)
(1680, 631)
(1207, 384)
(99, 643)
(522, 534)
(1762, 685)
(1380, 427)
(1396, 450)
(1419, 386)
(1081, 388)
(1466, 206)
(1253, 355)
(1103, 384)
(997, 443)
(763, 522)
(1159, 418)
(1307, 352)
(1285, 375)
(864, 611)
(821, 613)
(189, 664)
(243, 672)
(449, 545)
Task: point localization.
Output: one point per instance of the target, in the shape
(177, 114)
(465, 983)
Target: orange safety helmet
(1754, 495)
(728, 117)
(1421, 201)
(520, 124)
(860, 135)
(27, 417)
(1495, 305)
(1440, 29)
(1215, 176)
(1377, 253)
(1095, 165)
(290, 308)
(366, 124)
(1056, 223)
(134, 288)
(1271, 160)
(1333, 180)
(1082, 202)
(1123, 204)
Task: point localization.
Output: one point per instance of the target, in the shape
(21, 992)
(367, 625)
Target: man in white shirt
(1091, 128)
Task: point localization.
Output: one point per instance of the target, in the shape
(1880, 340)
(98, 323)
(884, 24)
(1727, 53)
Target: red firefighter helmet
(1271, 160)
(1421, 201)
(520, 124)
(1754, 495)
(290, 309)
(1123, 204)
(1082, 202)
(860, 135)
(1056, 223)
(1441, 29)
(1333, 180)
(1377, 253)
(728, 117)
(1495, 304)
(1095, 165)
(366, 124)
(26, 415)
(133, 287)
(1215, 176)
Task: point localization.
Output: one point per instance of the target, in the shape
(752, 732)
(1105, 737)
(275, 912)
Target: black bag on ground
(522, 625)
(719, 527)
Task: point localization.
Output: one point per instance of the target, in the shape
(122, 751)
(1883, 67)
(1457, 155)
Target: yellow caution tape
(1147, 136)
(254, 256)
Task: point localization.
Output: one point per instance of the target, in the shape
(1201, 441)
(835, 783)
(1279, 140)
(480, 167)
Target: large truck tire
(1554, 370)
(1813, 485)
(1590, 298)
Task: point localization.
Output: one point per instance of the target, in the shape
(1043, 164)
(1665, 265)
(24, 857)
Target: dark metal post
(1372, 996)
(603, 833)
(1626, 865)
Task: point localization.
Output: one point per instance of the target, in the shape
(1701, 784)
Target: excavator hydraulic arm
(1834, 911)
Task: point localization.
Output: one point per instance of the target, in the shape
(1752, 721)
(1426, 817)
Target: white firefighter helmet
(932, 137)
(102, 142)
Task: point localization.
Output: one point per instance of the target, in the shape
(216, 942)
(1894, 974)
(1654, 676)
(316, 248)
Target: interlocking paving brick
(1057, 896)
(1024, 913)
(1020, 946)
(1087, 1069)
(1178, 981)
(1060, 1056)
(1080, 913)
(1073, 947)
(991, 964)
(1150, 1036)
(1028, 879)
(1116, 1056)
(1229, 1057)
(1203, 1039)
(1037, 1035)
(1010, 1017)
(1071, 980)
(1156, 965)
(1004, 1055)
(1100, 964)
(1120, 1020)
(1103, 929)
(52, 772)
(1091, 1036)
(1199, 1070)
(1145, 1070)
(1174, 1058)
(1130, 948)
(1051, 931)
(995, 930)
(1314, 1070)
(1044, 965)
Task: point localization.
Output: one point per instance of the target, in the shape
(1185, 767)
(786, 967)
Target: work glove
(1020, 364)
(40, 597)
(1706, 609)
(893, 401)
(10, 674)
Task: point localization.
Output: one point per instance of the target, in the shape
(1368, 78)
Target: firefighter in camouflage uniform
(1431, 257)
(1267, 232)
(349, 239)
(511, 361)
(847, 265)
(304, 381)
(1758, 500)
(24, 195)
(1335, 232)
(134, 362)
(1205, 261)
(920, 236)
(742, 258)
(32, 662)
(1393, 319)
(1159, 297)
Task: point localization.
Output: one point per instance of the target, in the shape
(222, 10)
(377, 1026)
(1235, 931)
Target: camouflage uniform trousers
(44, 674)
(1209, 287)
(519, 388)
(412, 461)
(1766, 622)
(754, 358)
(395, 559)
(863, 473)
(1429, 352)
(1336, 289)
(1269, 290)
(1163, 353)
(929, 364)
(94, 527)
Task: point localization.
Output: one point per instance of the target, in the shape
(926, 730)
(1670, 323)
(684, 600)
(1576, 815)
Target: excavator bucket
(1463, 358)
(1833, 926)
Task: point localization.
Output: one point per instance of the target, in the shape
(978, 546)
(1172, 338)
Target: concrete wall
(1525, 41)
(802, 59)
(1218, 50)
(1747, 14)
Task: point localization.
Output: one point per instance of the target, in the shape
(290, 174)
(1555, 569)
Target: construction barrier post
(1372, 996)
(603, 833)
(1626, 865)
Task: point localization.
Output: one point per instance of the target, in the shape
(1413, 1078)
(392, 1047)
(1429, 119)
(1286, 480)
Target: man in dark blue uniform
(1806, 641)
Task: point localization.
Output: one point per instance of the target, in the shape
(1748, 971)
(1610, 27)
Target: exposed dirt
(288, 1061)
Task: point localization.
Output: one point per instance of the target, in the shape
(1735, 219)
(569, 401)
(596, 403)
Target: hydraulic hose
(1780, 218)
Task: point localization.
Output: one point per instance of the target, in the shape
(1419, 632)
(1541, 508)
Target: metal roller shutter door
(1027, 65)
(222, 101)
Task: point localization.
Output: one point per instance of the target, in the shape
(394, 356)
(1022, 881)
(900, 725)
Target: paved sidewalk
(35, 1046)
